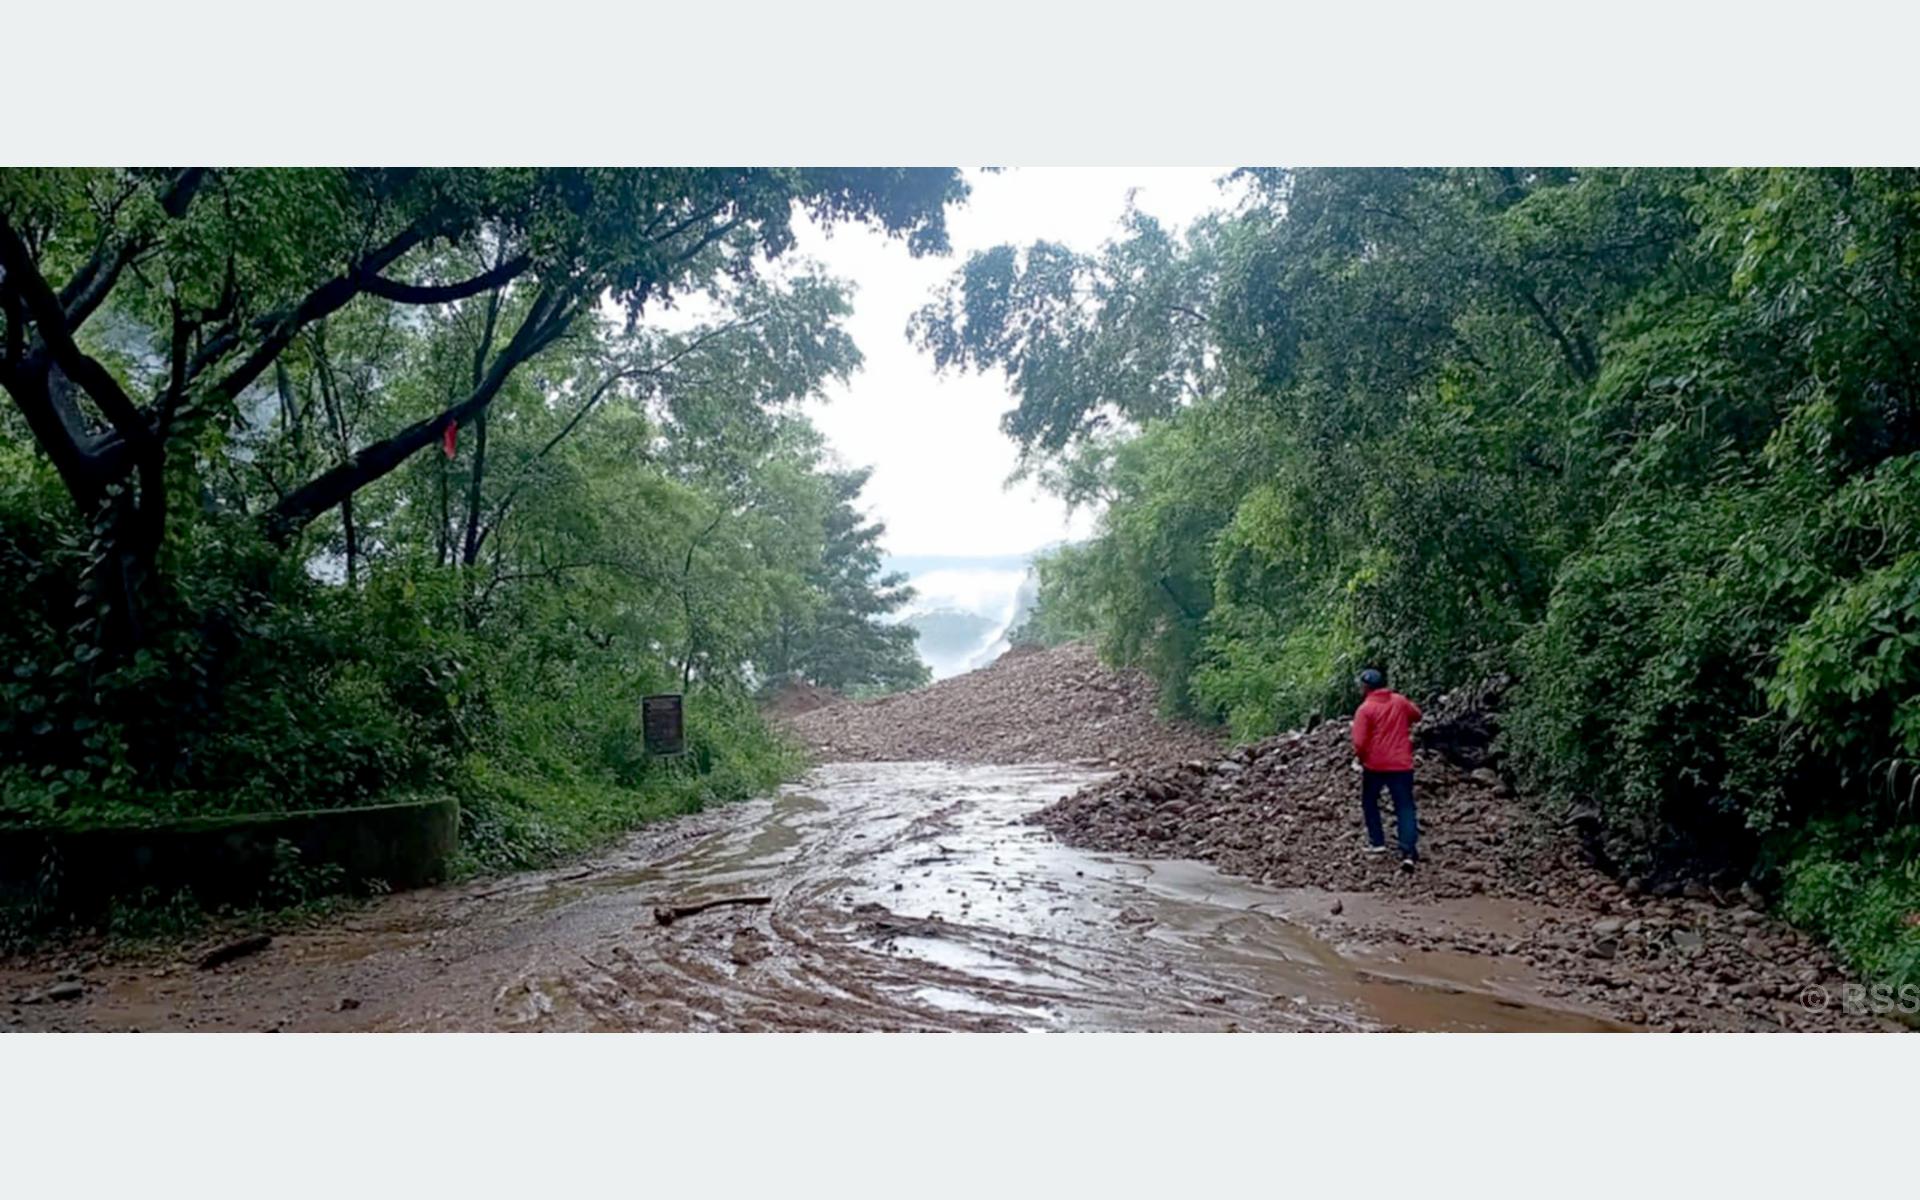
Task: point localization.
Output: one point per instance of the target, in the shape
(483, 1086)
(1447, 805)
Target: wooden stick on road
(667, 914)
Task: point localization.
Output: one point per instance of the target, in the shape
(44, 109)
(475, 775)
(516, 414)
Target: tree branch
(476, 478)
(545, 322)
(411, 293)
(325, 300)
(16, 314)
(1581, 363)
(91, 284)
(500, 511)
(554, 571)
(180, 195)
(50, 323)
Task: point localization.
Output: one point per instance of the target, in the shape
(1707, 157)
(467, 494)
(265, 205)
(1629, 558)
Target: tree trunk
(352, 539)
(343, 445)
(470, 543)
(440, 531)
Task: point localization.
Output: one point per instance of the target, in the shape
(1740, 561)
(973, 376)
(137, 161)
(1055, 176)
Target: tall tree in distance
(834, 633)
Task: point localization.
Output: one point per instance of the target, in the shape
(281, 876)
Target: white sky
(934, 442)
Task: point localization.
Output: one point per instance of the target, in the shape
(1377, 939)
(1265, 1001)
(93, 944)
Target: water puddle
(924, 880)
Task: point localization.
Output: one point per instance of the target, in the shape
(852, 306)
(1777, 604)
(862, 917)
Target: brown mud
(904, 896)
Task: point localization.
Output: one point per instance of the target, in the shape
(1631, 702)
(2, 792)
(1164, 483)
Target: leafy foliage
(831, 631)
(1645, 439)
(324, 486)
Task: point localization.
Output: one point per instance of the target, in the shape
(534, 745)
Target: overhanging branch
(413, 293)
(544, 323)
(325, 300)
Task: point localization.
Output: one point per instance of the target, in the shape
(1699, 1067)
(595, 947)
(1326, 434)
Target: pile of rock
(795, 697)
(1286, 811)
(1054, 705)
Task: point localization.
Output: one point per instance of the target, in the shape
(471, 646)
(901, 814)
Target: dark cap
(1371, 678)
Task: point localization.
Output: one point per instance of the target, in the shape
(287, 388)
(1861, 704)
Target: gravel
(1031, 705)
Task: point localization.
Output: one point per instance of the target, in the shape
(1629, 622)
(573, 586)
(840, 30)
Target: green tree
(1644, 439)
(833, 632)
(217, 273)
(261, 583)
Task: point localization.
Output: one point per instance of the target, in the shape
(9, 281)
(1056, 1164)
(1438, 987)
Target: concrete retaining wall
(232, 858)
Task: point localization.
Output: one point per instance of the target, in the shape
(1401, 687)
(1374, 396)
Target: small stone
(1607, 926)
(1337, 908)
(348, 1004)
(66, 989)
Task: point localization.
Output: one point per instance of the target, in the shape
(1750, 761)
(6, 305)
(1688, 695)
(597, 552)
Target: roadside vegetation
(1646, 441)
(327, 487)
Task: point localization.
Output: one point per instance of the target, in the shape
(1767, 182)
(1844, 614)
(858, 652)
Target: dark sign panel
(662, 720)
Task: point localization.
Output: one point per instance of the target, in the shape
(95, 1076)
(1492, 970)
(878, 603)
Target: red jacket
(1383, 731)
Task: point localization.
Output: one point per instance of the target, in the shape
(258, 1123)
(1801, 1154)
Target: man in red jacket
(1383, 742)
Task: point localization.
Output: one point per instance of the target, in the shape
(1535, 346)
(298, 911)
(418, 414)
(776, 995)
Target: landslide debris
(795, 697)
(1030, 705)
(1286, 811)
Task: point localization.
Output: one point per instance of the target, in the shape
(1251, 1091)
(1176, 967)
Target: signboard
(663, 722)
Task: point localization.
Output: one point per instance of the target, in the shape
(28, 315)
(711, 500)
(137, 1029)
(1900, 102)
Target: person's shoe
(1376, 849)
(1406, 865)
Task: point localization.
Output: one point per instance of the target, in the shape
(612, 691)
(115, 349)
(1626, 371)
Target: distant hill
(966, 604)
(952, 636)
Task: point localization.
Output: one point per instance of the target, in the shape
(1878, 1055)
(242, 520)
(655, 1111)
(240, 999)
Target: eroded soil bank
(900, 896)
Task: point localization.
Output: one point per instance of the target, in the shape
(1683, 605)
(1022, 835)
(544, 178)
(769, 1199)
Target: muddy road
(900, 896)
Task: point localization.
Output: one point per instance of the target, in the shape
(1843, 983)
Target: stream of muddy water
(899, 896)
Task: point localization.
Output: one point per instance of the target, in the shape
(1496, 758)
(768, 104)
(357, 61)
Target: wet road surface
(901, 896)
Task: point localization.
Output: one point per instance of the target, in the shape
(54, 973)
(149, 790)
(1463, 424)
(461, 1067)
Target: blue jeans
(1406, 823)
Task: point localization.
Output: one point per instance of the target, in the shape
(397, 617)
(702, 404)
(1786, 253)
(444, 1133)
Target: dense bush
(321, 696)
(260, 689)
